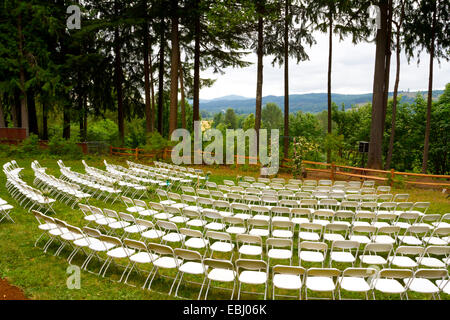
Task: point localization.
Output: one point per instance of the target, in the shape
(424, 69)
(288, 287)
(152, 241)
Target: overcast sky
(353, 68)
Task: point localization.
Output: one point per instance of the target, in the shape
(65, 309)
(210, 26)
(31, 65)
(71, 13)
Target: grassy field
(43, 276)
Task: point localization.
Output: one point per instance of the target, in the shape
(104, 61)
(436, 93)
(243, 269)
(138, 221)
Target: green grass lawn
(43, 276)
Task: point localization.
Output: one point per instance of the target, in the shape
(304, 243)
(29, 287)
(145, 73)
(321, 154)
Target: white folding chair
(287, 278)
(252, 272)
(321, 280)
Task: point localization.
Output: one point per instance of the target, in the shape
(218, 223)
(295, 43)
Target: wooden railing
(374, 174)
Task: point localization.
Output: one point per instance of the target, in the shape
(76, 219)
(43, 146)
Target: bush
(103, 130)
(64, 148)
(154, 142)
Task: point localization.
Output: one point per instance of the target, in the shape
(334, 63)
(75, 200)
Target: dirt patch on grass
(9, 292)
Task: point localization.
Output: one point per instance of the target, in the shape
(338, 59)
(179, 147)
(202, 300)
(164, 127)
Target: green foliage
(302, 149)
(272, 117)
(155, 142)
(68, 149)
(102, 130)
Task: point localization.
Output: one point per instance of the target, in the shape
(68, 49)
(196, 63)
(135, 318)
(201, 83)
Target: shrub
(64, 148)
(28, 147)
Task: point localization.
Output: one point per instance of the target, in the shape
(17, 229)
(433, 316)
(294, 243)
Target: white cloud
(352, 72)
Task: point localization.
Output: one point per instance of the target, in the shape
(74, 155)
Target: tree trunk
(286, 79)
(16, 112)
(183, 107)
(23, 96)
(330, 59)
(152, 86)
(259, 78)
(148, 111)
(388, 63)
(2, 114)
(430, 95)
(161, 81)
(66, 121)
(394, 102)
(174, 68)
(32, 118)
(44, 121)
(118, 78)
(196, 102)
(376, 128)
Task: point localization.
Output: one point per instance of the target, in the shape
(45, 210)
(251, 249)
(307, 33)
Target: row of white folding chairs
(27, 196)
(269, 201)
(128, 188)
(305, 191)
(282, 223)
(5, 211)
(169, 166)
(310, 183)
(62, 190)
(97, 188)
(250, 195)
(177, 171)
(159, 256)
(128, 175)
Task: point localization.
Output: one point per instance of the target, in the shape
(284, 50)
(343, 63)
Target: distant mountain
(309, 102)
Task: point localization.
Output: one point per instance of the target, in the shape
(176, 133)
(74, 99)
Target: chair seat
(279, 254)
(261, 217)
(222, 246)
(259, 232)
(223, 275)
(243, 216)
(70, 236)
(430, 262)
(147, 212)
(360, 239)
(215, 226)
(310, 236)
(163, 216)
(383, 239)
(135, 228)
(250, 250)
(85, 241)
(253, 277)
(287, 281)
(311, 256)
(47, 226)
(178, 219)
(196, 243)
(342, 257)
(372, 259)
(166, 262)
(152, 234)
(236, 230)
(434, 241)
(173, 237)
(93, 217)
(192, 268)
(422, 285)
(105, 221)
(120, 252)
(143, 257)
(282, 234)
(354, 284)
(118, 225)
(196, 223)
(320, 284)
(300, 220)
(333, 236)
(410, 240)
(404, 262)
(389, 286)
(101, 246)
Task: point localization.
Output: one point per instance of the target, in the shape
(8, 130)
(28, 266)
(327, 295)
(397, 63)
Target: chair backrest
(160, 249)
(221, 236)
(279, 243)
(109, 239)
(167, 225)
(323, 272)
(134, 244)
(292, 270)
(359, 272)
(257, 223)
(127, 217)
(410, 250)
(94, 233)
(191, 233)
(344, 244)
(249, 239)
(378, 247)
(185, 254)
(313, 245)
(110, 213)
(250, 264)
(396, 273)
(437, 250)
(218, 264)
(431, 273)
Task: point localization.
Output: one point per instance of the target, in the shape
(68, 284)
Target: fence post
(392, 177)
(110, 150)
(137, 153)
(333, 169)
